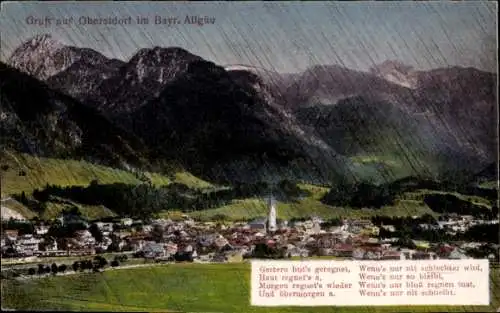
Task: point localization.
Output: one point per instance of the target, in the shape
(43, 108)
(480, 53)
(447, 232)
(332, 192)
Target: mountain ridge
(158, 87)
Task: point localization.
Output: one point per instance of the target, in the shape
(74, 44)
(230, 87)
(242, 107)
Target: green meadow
(175, 288)
(25, 173)
(310, 206)
(38, 172)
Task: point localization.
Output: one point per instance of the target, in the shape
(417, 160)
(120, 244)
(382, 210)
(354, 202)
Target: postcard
(249, 156)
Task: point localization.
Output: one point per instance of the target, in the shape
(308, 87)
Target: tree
(157, 233)
(88, 265)
(41, 269)
(48, 269)
(263, 251)
(115, 244)
(428, 219)
(494, 211)
(23, 198)
(62, 268)
(76, 266)
(54, 268)
(100, 262)
(115, 263)
(32, 271)
(96, 232)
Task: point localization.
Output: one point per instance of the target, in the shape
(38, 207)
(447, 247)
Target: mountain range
(243, 123)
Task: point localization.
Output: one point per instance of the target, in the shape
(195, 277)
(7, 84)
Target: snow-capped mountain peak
(397, 73)
(36, 56)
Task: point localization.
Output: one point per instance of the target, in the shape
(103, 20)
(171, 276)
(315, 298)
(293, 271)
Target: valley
(178, 170)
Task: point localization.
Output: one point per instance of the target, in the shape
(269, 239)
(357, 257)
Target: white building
(27, 245)
(272, 225)
(41, 230)
(126, 221)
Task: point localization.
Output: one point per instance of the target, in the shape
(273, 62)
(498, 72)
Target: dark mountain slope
(141, 79)
(44, 122)
(220, 125)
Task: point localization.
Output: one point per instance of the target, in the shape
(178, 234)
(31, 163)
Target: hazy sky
(285, 36)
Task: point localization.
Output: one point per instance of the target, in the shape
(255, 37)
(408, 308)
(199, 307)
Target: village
(189, 240)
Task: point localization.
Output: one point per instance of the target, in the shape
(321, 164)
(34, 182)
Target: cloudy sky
(287, 37)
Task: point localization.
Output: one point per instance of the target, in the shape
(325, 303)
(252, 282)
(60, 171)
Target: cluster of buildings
(164, 239)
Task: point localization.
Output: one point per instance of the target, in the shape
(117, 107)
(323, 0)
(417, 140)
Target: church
(269, 223)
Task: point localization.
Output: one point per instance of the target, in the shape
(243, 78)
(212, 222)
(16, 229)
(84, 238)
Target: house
(11, 235)
(297, 252)
(327, 242)
(343, 250)
(50, 244)
(355, 229)
(423, 256)
(147, 228)
(458, 254)
(171, 248)
(358, 254)
(105, 243)
(337, 229)
(315, 229)
(84, 237)
(370, 231)
(361, 223)
(122, 234)
(206, 240)
(367, 253)
(427, 226)
(41, 230)
(153, 250)
(27, 245)
(390, 255)
(105, 228)
(283, 225)
(389, 228)
(126, 222)
(259, 224)
(372, 255)
(188, 248)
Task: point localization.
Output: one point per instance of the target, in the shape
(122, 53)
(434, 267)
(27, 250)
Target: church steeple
(271, 221)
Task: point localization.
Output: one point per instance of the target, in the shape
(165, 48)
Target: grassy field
(42, 171)
(492, 184)
(309, 206)
(91, 212)
(420, 194)
(38, 172)
(174, 288)
(19, 208)
(250, 208)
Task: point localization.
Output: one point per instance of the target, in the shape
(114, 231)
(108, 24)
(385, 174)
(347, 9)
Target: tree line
(92, 265)
(408, 228)
(144, 200)
(367, 195)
